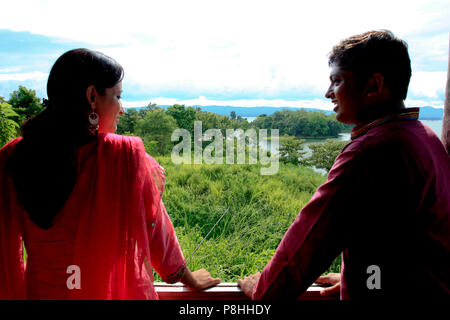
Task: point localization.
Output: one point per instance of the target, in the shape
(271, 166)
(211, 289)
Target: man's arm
(316, 237)
(368, 200)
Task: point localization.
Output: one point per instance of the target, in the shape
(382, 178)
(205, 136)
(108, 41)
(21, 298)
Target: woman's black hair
(43, 165)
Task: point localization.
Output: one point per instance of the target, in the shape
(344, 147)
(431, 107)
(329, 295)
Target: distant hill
(430, 113)
(246, 111)
(426, 113)
(251, 111)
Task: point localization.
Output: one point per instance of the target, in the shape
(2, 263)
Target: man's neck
(380, 111)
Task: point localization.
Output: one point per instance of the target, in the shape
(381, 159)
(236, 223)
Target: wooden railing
(222, 291)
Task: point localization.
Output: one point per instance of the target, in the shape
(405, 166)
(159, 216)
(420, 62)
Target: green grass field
(260, 210)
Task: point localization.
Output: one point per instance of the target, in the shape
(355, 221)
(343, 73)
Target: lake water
(435, 125)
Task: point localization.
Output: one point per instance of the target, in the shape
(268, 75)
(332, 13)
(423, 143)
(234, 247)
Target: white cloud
(36, 75)
(237, 48)
(414, 103)
(202, 101)
(321, 104)
(429, 84)
(10, 69)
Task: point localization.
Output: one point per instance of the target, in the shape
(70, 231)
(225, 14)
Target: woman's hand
(332, 279)
(248, 283)
(199, 279)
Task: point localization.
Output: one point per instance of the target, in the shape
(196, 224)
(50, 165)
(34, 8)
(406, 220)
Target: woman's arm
(166, 254)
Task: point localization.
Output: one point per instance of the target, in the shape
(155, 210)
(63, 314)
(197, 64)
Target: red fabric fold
(12, 266)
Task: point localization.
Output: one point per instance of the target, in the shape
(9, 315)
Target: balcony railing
(222, 291)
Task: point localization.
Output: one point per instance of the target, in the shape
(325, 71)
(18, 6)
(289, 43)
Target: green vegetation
(25, 103)
(155, 124)
(22, 104)
(154, 128)
(324, 154)
(260, 210)
(290, 149)
(8, 127)
(302, 123)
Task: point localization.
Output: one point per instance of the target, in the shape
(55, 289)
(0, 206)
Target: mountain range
(426, 113)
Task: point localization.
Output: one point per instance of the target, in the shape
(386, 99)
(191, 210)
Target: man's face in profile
(343, 93)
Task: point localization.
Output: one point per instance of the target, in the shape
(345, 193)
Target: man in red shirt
(386, 202)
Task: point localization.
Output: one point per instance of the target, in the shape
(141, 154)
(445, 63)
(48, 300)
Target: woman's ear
(91, 94)
(375, 85)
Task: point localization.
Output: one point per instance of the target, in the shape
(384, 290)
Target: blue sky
(241, 53)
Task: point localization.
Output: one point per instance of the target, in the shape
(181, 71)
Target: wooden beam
(223, 291)
(445, 136)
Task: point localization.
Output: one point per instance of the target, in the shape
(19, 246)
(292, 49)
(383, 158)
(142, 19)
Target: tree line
(155, 124)
(302, 123)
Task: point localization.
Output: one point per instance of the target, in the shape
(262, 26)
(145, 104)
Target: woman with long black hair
(84, 202)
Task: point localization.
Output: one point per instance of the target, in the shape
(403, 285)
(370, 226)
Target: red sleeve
(315, 238)
(166, 256)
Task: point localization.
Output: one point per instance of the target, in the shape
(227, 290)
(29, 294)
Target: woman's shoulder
(133, 144)
(10, 145)
(11, 142)
(119, 142)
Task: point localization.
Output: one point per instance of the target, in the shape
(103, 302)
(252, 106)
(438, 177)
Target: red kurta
(386, 203)
(114, 227)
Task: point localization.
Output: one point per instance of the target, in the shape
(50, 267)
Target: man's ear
(375, 85)
(91, 94)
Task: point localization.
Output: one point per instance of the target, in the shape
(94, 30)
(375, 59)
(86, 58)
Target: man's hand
(248, 283)
(333, 279)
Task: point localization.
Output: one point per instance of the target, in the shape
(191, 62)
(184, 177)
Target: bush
(324, 153)
(8, 127)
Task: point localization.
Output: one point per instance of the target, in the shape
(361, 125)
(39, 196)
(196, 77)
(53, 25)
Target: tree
(156, 130)
(233, 115)
(184, 116)
(150, 107)
(302, 123)
(291, 149)
(128, 122)
(8, 127)
(324, 154)
(25, 103)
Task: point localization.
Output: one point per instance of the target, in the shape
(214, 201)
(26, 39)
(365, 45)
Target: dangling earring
(93, 121)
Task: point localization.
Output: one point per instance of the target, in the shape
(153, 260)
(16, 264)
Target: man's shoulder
(400, 134)
(381, 143)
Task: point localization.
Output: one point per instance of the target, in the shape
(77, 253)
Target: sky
(234, 53)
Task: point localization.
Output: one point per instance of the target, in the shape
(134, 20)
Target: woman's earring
(93, 121)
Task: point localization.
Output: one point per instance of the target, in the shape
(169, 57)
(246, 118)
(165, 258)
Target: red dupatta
(119, 189)
(12, 267)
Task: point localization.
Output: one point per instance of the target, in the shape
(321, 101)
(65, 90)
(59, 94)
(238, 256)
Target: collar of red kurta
(405, 114)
